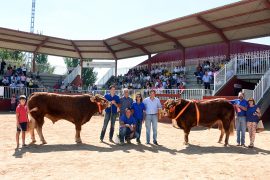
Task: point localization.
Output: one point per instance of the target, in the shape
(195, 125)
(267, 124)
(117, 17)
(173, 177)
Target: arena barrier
(162, 94)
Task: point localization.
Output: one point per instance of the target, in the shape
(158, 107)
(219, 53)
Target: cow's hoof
(186, 143)
(43, 142)
(219, 142)
(225, 145)
(79, 142)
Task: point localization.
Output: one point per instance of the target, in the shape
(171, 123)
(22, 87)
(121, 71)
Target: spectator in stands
(3, 64)
(23, 79)
(5, 81)
(31, 83)
(19, 70)
(12, 85)
(79, 88)
(125, 102)
(9, 72)
(13, 103)
(207, 80)
(199, 75)
(20, 84)
(28, 79)
(24, 69)
(14, 70)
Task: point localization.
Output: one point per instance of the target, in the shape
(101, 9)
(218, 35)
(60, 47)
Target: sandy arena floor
(61, 158)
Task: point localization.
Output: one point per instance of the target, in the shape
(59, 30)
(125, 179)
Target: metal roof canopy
(246, 19)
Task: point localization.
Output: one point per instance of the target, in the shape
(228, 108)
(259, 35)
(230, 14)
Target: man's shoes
(238, 145)
(147, 143)
(243, 145)
(128, 141)
(121, 143)
(138, 141)
(155, 143)
(111, 141)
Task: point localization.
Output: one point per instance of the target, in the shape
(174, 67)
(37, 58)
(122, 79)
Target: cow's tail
(34, 109)
(232, 125)
(32, 123)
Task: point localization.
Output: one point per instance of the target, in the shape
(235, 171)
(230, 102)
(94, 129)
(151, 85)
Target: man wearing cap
(241, 107)
(152, 105)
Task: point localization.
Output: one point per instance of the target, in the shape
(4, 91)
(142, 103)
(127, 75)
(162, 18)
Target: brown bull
(187, 114)
(77, 109)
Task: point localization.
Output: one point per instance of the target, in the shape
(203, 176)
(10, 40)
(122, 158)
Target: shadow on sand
(88, 147)
(189, 150)
(195, 149)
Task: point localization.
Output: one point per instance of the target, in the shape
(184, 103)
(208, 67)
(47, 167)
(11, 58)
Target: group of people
(205, 73)
(16, 77)
(132, 115)
(158, 78)
(248, 116)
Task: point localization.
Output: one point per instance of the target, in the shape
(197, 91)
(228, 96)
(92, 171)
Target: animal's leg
(220, 127)
(186, 131)
(78, 132)
(40, 134)
(227, 137)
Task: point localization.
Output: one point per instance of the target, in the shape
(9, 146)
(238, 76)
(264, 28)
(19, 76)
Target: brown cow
(187, 114)
(77, 109)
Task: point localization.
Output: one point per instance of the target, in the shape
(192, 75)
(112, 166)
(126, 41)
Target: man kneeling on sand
(127, 130)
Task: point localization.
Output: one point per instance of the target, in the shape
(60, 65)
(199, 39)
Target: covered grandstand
(192, 39)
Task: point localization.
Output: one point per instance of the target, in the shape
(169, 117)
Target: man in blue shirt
(125, 102)
(127, 127)
(241, 107)
(110, 113)
(152, 105)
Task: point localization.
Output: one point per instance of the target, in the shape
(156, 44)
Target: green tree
(88, 74)
(43, 64)
(12, 55)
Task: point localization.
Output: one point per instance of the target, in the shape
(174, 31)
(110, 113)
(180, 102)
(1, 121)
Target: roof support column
(228, 55)
(149, 62)
(81, 76)
(34, 63)
(115, 68)
(184, 57)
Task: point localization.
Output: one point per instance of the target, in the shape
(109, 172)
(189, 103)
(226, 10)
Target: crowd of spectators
(17, 77)
(159, 77)
(207, 69)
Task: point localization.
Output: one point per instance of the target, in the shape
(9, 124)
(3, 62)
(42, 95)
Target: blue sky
(98, 19)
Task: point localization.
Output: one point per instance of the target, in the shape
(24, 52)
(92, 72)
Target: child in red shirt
(22, 119)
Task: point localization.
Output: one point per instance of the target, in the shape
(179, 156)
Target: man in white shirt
(152, 106)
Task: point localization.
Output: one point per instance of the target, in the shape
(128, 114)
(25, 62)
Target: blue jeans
(151, 119)
(124, 133)
(241, 127)
(139, 129)
(108, 117)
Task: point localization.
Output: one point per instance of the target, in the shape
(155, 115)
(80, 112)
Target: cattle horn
(93, 99)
